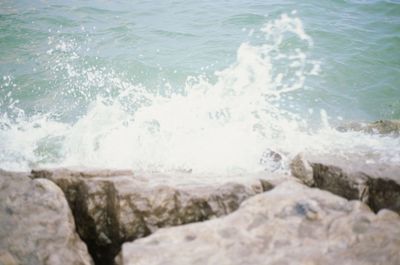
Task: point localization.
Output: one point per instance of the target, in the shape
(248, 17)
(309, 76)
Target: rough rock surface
(112, 207)
(36, 224)
(385, 127)
(292, 224)
(376, 185)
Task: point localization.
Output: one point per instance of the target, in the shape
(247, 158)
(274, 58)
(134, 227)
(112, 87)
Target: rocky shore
(329, 210)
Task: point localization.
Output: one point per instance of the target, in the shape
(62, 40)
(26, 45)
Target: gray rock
(302, 169)
(111, 208)
(291, 224)
(384, 127)
(378, 185)
(272, 160)
(36, 224)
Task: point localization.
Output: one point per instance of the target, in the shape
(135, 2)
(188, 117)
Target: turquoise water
(194, 85)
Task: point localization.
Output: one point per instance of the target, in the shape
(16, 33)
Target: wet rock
(292, 224)
(111, 208)
(378, 185)
(384, 127)
(36, 224)
(272, 160)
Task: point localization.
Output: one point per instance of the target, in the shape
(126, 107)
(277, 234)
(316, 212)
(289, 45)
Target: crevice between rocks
(106, 217)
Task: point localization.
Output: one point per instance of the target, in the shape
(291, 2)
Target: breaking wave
(235, 121)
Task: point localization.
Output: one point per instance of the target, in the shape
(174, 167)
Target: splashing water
(223, 124)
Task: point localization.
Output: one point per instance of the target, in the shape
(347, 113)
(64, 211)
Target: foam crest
(231, 125)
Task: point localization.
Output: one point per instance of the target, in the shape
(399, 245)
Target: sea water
(195, 86)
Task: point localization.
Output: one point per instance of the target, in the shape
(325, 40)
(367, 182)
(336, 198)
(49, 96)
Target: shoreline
(112, 215)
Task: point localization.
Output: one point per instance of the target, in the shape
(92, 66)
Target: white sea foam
(226, 126)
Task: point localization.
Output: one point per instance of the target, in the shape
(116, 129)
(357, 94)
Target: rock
(291, 224)
(272, 160)
(384, 127)
(302, 170)
(111, 208)
(36, 224)
(376, 185)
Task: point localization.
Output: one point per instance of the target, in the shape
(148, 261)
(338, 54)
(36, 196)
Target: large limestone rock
(36, 224)
(384, 127)
(378, 185)
(112, 207)
(291, 224)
